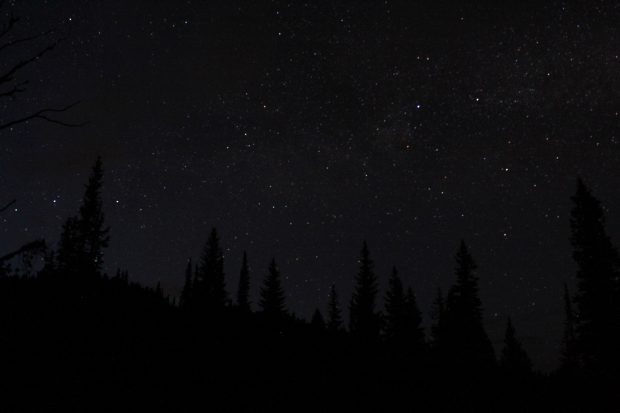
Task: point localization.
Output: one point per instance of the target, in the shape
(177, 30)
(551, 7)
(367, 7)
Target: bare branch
(7, 206)
(11, 87)
(43, 114)
(24, 39)
(18, 88)
(8, 76)
(9, 25)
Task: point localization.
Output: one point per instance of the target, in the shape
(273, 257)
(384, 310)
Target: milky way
(300, 130)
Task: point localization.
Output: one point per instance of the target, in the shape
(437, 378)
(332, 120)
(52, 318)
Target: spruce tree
(597, 298)
(514, 360)
(334, 322)
(272, 300)
(395, 321)
(210, 285)
(91, 225)
(186, 293)
(414, 333)
(83, 238)
(243, 292)
(465, 338)
(364, 321)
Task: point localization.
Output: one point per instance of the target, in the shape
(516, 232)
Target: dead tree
(11, 83)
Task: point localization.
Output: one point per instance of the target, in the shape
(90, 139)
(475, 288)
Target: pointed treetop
(394, 307)
(272, 299)
(364, 321)
(210, 285)
(334, 322)
(514, 359)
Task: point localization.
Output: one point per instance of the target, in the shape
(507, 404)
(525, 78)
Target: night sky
(301, 129)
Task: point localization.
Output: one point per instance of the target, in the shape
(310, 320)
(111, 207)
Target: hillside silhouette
(76, 339)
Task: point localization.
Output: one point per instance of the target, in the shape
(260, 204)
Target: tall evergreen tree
(465, 337)
(598, 297)
(403, 320)
(186, 293)
(414, 333)
(272, 300)
(364, 321)
(334, 321)
(243, 292)
(210, 284)
(395, 321)
(83, 238)
(93, 232)
(514, 360)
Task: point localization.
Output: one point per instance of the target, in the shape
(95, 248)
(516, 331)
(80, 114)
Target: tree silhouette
(17, 54)
(414, 332)
(514, 361)
(395, 320)
(364, 321)
(334, 313)
(92, 229)
(186, 292)
(243, 292)
(210, 284)
(403, 320)
(84, 237)
(272, 300)
(598, 304)
(465, 336)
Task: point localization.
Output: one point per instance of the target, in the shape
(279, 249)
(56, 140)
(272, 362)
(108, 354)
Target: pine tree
(514, 360)
(92, 230)
(243, 292)
(186, 293)
(83, 238)
(364, 321)
(403, 320)
(210, 285)
(598, 297)
(272, 300)
(465, 338)
(414, 333)
(334, 322)
(395, 321)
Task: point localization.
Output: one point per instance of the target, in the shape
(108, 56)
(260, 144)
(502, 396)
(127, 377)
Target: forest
(76, 339)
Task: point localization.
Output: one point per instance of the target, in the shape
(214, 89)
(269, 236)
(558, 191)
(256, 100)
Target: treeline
(76, 339)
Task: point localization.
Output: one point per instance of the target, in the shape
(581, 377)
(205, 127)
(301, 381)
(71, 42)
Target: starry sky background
(301, 129)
